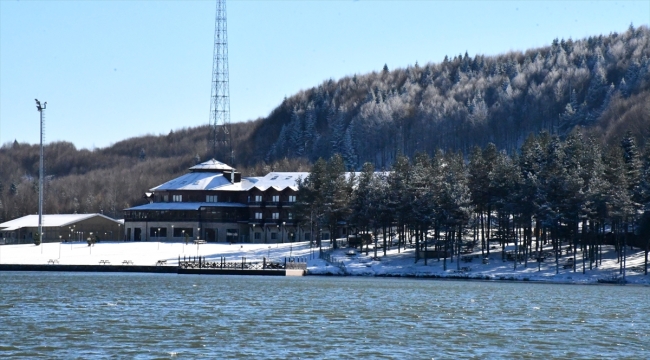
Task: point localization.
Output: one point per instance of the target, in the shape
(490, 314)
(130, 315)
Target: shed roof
(54, 220)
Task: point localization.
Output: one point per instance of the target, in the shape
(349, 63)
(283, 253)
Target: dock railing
(297, 263)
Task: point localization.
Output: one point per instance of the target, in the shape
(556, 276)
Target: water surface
(146, 316)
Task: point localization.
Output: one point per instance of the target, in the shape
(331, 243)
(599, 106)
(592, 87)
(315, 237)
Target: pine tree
(360, 202)
(336, 123)
(336, 193)
(310, 134)
(400, 194)
(296, 134)
(632, 164)
(348, 152)
(597, 87)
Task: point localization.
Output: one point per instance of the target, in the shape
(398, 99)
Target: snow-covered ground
(394, 264)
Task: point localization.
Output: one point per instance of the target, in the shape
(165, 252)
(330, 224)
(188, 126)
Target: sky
(112, 70)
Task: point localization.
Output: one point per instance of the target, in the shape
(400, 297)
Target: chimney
(233, 176)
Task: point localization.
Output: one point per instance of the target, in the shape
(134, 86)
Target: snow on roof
(205, 181)
(184, 205)
(280, 180)
(211, 164)
(48, 221)
(218, 181)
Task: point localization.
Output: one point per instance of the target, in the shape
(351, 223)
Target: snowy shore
(394, 264)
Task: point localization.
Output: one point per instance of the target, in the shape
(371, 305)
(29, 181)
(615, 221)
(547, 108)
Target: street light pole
(40, 176)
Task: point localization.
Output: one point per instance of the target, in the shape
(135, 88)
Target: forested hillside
(601, 84)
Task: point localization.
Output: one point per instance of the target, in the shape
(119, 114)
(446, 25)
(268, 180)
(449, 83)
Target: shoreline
(136, 269)
(481, 279)
(231, 272)
(143, 257)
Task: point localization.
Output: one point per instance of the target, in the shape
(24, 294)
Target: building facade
(61, 227)
(215, 203)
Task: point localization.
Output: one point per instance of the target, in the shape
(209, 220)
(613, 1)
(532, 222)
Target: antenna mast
(220, 101)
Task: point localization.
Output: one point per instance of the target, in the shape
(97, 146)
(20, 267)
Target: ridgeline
(600, 84)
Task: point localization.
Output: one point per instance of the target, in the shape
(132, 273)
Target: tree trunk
(482, 235)
(417, 244)
(556, 247)
(384, 230)
(625, 227)
(444, 264)
(488, 231)
(575, 245)
(460, 244)
(647, 249)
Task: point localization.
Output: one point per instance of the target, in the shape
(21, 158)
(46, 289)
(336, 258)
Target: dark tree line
(572, 192)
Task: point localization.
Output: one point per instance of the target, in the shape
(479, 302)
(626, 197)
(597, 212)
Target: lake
(149, 316)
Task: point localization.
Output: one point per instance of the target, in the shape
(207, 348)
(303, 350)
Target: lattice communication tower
(220, 101)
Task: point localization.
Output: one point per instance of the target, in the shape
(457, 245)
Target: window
(232, 235)
(258, 236)
(258, 198)
(177, 198)
(290, 216)
(276, 198)
(276, 216)
(155, 232)
(274, 236)
(292, 198)
(165, 198)
(258, 216)
(211, 198)
(181, 232)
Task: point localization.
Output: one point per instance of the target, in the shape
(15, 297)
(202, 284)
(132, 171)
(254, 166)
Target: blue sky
(112, 70)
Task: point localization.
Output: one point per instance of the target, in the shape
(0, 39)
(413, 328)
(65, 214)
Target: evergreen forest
(572, 191)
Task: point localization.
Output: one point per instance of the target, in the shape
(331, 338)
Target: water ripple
(155, 316)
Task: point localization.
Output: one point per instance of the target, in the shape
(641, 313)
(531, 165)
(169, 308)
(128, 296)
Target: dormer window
(211, 198)
(177, 198)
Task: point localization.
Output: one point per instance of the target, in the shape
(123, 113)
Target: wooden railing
(243, 264)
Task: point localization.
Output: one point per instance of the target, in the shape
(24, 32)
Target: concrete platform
(148, 269)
